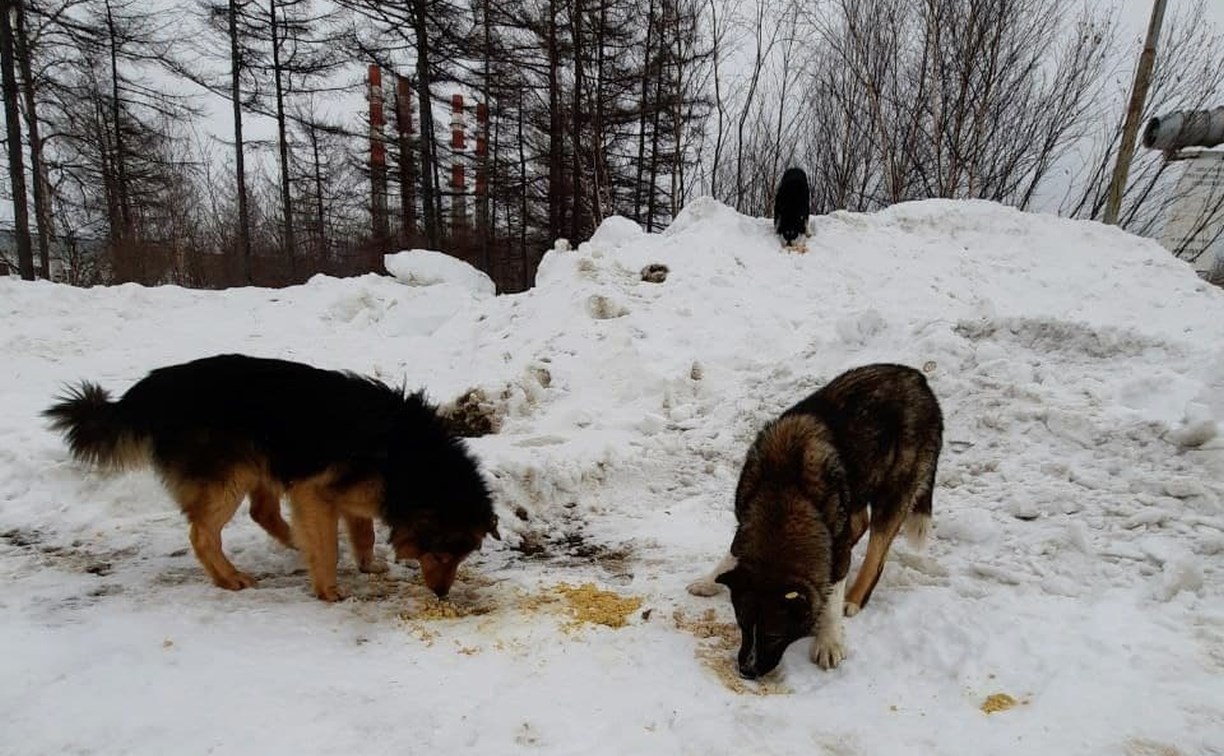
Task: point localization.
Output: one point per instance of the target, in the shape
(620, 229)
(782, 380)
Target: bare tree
(24, 52)
(233, 10)
(1188, 74)
(12, 121)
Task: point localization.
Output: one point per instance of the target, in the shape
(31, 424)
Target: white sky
(218, 117)
(1138, 12)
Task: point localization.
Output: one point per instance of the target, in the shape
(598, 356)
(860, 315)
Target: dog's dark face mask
(439, 550)
(771, 615)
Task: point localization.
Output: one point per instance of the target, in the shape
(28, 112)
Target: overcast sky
(1137, 13)
(1134, 15)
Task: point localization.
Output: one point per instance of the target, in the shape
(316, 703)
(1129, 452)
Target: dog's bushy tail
(95, 428)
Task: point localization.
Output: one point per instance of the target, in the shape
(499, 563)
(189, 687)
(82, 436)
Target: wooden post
(1134, 111)
(378, 158)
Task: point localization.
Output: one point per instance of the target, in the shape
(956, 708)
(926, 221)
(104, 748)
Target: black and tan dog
(792, 204)
(871, 436)
(339, 445)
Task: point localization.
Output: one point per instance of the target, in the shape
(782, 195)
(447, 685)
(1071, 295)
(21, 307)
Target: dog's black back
(887, 429)
(792, 205)
(201, 419)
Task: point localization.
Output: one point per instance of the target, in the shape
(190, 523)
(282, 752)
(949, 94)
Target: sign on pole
(1194, 228)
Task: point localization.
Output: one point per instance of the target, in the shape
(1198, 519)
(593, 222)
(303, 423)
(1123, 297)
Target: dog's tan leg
(208, 507)
(878, 542)
(316, 531)
(706, 585)
(266, 512)
(361, 538)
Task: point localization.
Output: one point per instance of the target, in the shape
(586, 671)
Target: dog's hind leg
(361, 538)
(208, 507)
(266, 512)
(918, 524)
(316, 530)
(883, 531)
(707, 586)
(858, 525)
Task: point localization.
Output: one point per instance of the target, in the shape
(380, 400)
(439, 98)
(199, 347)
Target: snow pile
(423, 267)
(1074, 564)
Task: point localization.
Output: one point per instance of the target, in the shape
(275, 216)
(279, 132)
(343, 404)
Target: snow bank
(1075, 557)
(424, 267)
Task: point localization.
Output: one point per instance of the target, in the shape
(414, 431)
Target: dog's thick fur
(792, 205)
(872, 436)
(339, 445)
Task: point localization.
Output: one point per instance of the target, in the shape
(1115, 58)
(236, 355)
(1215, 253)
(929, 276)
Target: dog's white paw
(851, 609)
(828, 648)
(703, 587)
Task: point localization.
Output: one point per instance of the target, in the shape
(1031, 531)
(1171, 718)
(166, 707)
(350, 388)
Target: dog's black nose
(748, 673)
(441, 592)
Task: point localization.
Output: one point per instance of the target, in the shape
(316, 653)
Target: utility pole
(1134, 111)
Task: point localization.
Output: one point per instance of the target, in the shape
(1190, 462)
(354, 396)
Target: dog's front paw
(373, 565)
(828, 648)
(703, 587)
(236, 581)
(330, 593)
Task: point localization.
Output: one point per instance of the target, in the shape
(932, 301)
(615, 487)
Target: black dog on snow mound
(791, 205)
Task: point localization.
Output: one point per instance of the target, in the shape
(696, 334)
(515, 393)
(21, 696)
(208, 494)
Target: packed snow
(1072, 586)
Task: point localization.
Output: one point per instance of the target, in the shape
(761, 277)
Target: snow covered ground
(1075, 564)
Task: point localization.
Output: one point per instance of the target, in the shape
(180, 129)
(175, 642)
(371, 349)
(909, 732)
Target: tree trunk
(282, 143)
(38, 169)
(484, 219)
(12, 122)
(643, 112)
(318, 181)
(497, 253)
(126, 229)
(599, 147)
(716, 36)
(576, 226)
(652, 181)
(407, 161)
(244, 224)
(556, 191)
(522, 154)
(428, 162)
(749, 100)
